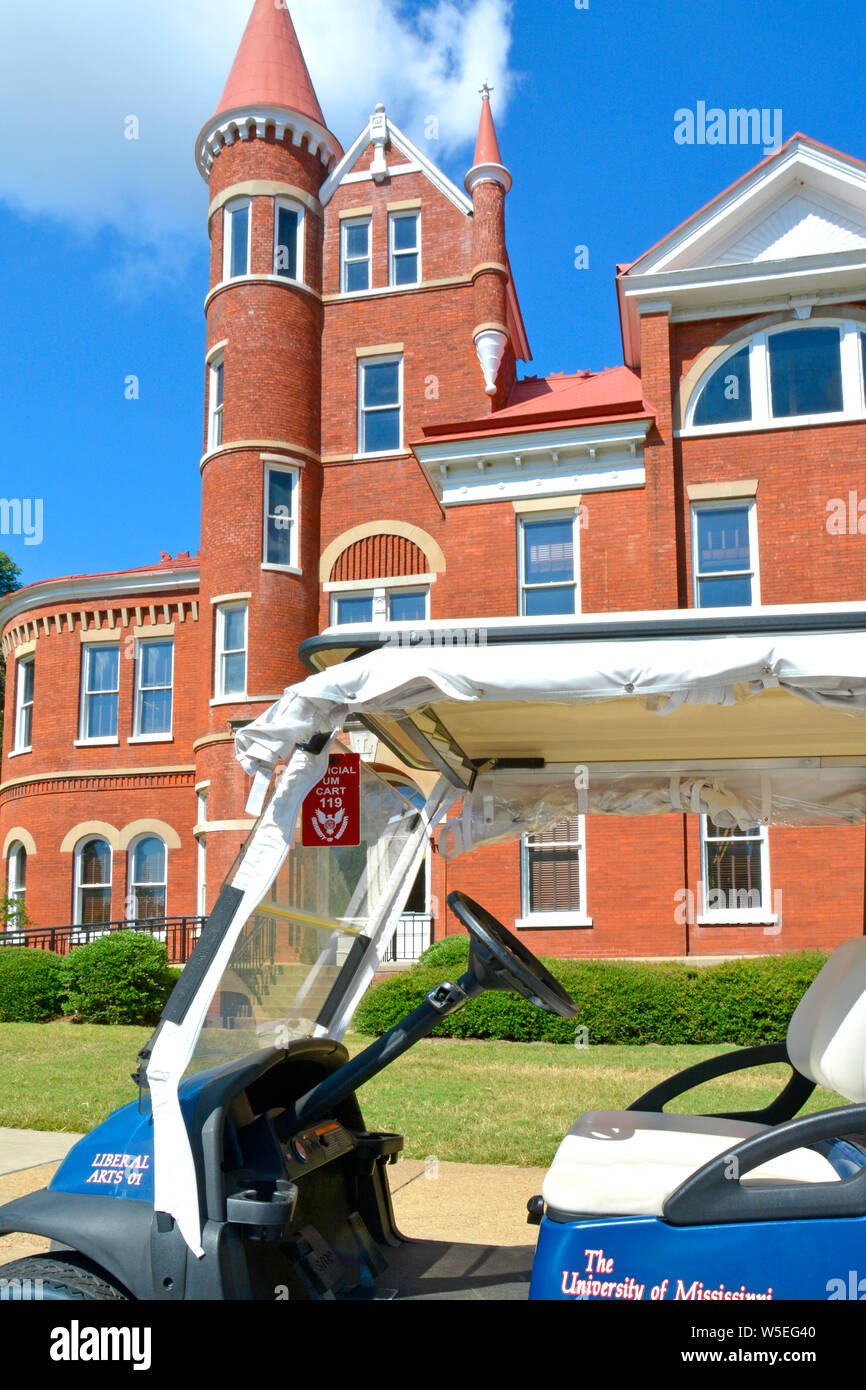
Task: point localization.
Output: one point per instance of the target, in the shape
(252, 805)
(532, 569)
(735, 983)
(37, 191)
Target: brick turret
(265, 154)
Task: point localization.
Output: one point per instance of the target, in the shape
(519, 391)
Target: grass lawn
(467, 1102)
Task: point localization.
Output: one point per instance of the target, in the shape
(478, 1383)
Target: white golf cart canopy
(751, 716)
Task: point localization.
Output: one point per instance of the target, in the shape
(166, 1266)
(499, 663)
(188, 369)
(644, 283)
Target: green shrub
(451, 953)
(743, 1003)
(31, 985)
(124, 977)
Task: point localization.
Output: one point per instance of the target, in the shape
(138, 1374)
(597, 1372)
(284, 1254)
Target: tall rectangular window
(231, 650)
(380, 392)
(288, 240)
(735, 874)
(355, 255)
(404, 230)
(217, 394)
(154, 682)
(100, 691)
(724, 550)
(281, 529)
(548, 567)
(554, 874)
(24, 705)
(236, 239)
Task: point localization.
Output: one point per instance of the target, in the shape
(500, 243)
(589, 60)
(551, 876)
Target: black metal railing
(413, 935)
(179, 934)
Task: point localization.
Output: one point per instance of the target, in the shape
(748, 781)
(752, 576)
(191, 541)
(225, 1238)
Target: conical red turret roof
(269, 69)
(487, 147)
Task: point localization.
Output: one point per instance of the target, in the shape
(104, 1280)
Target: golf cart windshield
(751, 720)
(298, 949)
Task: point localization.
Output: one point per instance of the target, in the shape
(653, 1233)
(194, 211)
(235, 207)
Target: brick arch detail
(18, 835)
(90, 828)
(381, 550)
(138, 829)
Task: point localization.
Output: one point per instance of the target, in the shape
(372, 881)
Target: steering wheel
(500, 961)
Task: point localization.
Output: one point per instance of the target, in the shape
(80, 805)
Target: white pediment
(798, 227)
(804, 201)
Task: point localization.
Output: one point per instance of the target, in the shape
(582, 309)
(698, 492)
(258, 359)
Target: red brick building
(371, 455)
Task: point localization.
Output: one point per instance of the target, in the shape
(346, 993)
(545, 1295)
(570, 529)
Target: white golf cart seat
(628, 1162)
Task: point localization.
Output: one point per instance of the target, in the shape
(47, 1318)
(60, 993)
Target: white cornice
(723, 290)
(493, 173)
(58, 592)
(252, 122)
(543, 463)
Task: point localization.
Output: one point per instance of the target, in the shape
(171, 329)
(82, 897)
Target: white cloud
(71, 73)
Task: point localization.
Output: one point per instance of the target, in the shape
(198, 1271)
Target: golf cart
(244, 1169)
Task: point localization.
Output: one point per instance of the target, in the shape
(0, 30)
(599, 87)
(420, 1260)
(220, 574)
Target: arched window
(16, 882)
(147, 879)
(92, 882)
(808, 372)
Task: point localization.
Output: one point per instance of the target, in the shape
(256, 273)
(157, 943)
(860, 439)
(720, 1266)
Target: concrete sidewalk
(460, 1202)
(32, 1148)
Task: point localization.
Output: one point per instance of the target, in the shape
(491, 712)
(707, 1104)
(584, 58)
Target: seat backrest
(827, 1035)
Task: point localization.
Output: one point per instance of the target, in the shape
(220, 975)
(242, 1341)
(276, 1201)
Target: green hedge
(743, 1003)
(121, 978)
(31, 985)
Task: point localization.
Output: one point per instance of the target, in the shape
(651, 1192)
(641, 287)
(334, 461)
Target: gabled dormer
(790, 236)
(396, 222)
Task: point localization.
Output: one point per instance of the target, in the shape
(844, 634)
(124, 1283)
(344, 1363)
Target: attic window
(811, 373)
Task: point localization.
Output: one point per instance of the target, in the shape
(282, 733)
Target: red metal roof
(269, 69)
(487, 147)
(184, 561)
(556, 402)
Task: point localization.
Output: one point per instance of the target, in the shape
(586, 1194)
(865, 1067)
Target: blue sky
(105, 247)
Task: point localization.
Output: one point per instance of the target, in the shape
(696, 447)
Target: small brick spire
(269, 69)
(487, 145)
(488, 158)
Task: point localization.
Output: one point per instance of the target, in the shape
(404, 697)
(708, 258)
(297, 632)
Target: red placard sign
(332, 811)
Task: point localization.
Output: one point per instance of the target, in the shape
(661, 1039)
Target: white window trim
(394, 255)
(555, 514)
(23, 665)
(381, 591)
(292, 206)
(853, 385)
(216, 413)
(727, 917)
(137, 735)
(530, 920)
(77, 884)
(200, 833)
(106, 740)
(363, 364)
(235, 205)
(131, 916)
(15, 889)
(295, 474)
(345, 260)
(726, 504)
(221, 694)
